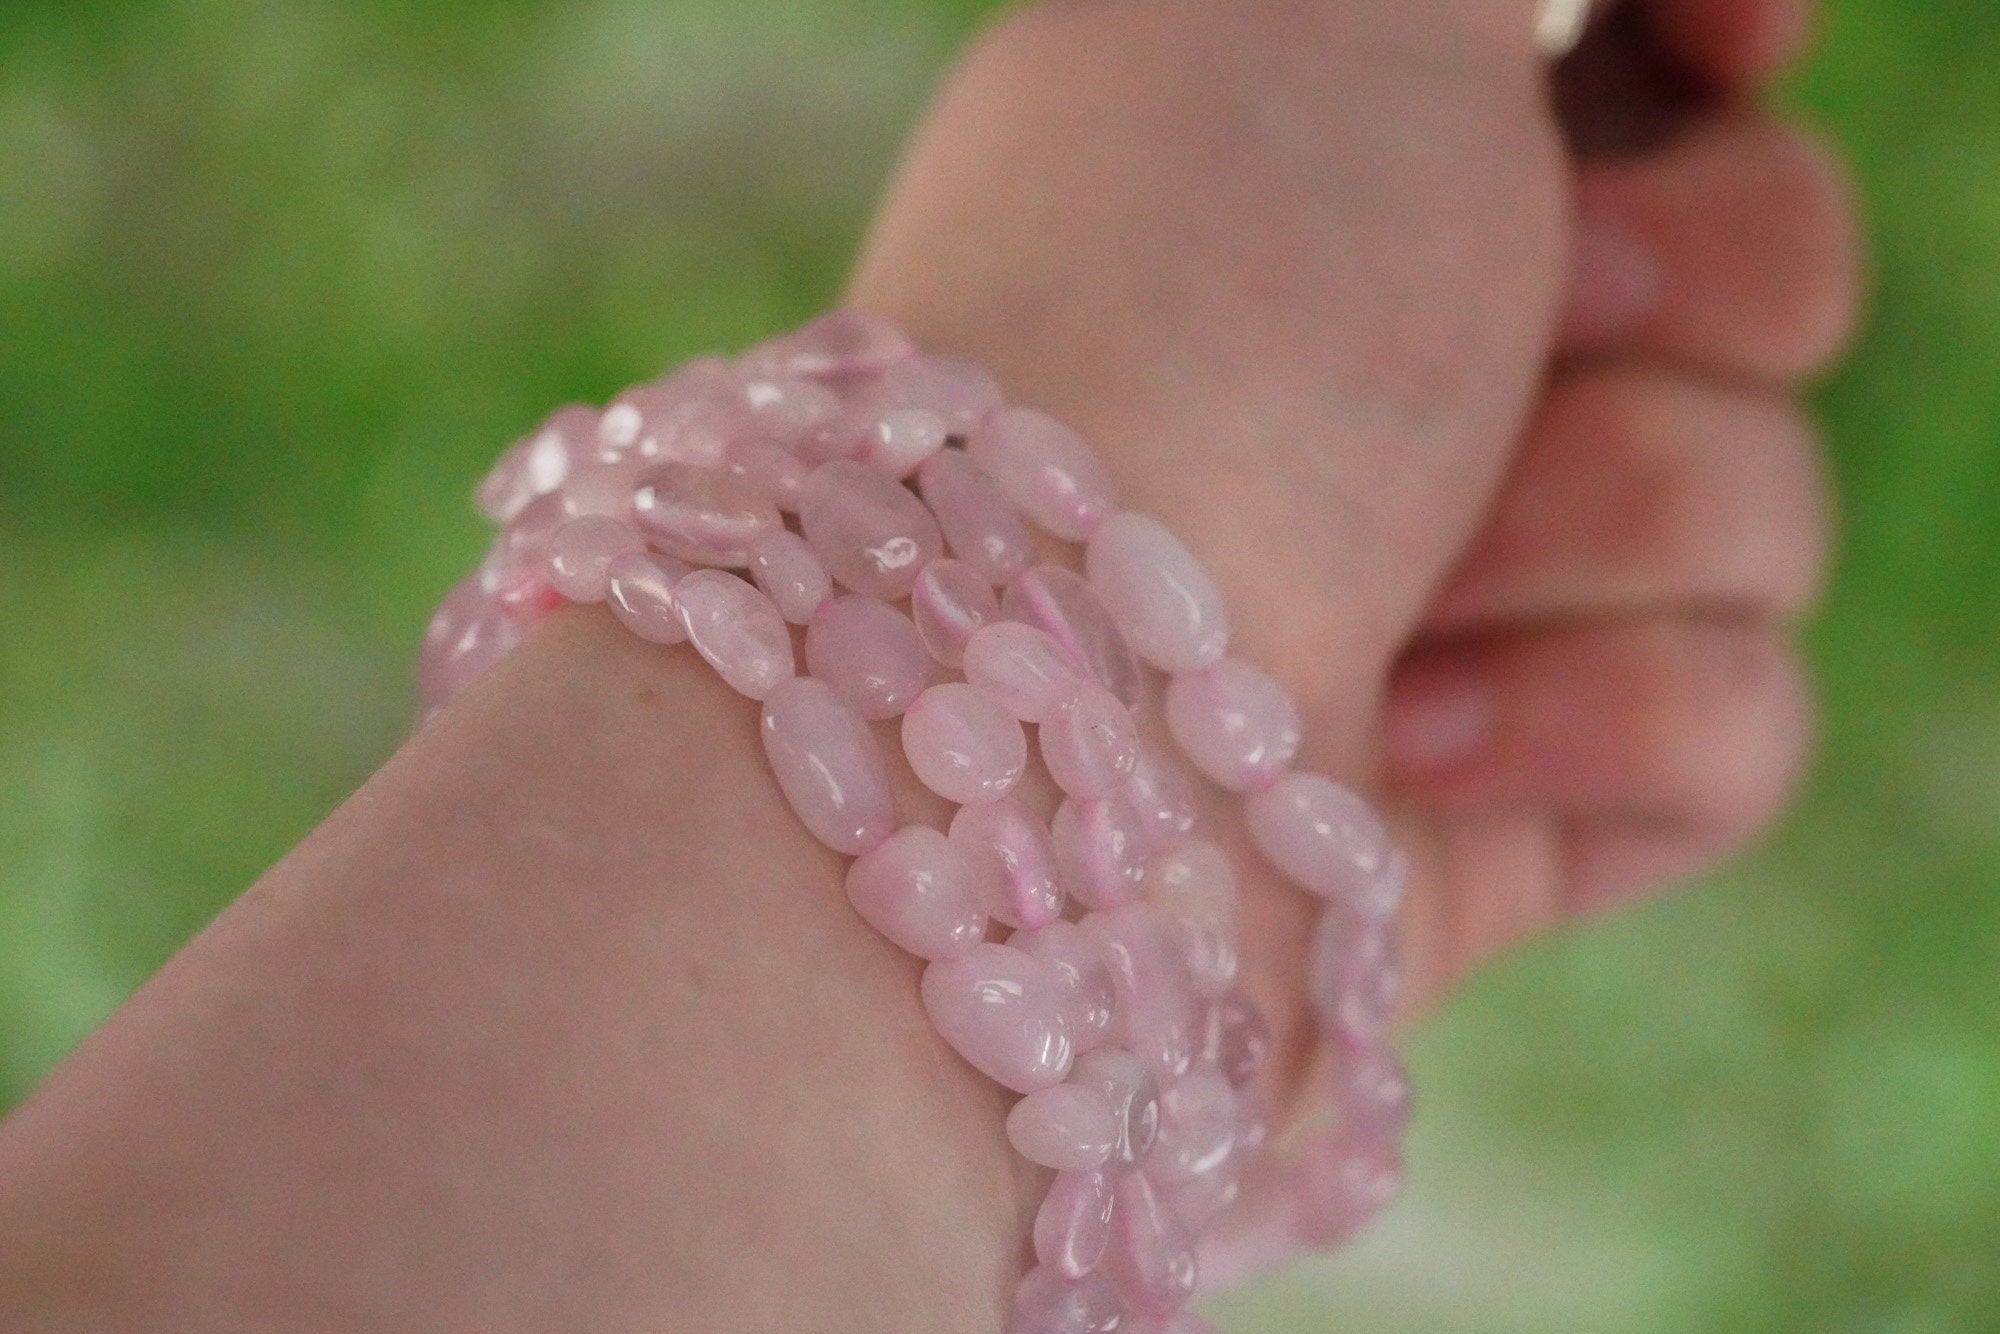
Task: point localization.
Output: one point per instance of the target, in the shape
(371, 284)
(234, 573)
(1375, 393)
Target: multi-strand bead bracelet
(876, 497)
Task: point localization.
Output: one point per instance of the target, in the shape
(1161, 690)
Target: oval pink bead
(1046, 1303)
(1091, 746)
(963, 745)
(1158, 593)
(603, 488)
(979, 525)
(869, 653)
(1198, 1121)
(897, 442)
(667, 424)
(873, 534)
(1099, 850)
(1013, 861)
(1343, 1182)
(581, 552)
(1128, 1085)
(1153, 1014)
(829, 766)
(737, 629)
(957, 390)
(1074, 1223)
(1024, 669)
(640, 590)
(1151, 1259)
(1163, 796)
(1046, 469)
(773, 471)
(466, 636)
(786, 408)
(1238, 725)
(539, 463)
(1194, 888)
(1235, 1039)
(1069, 1127)
(1371, 1094)
(917, 890)
(702, 515)
(1326, 840)
(1353, 977)
(950, 603)
(786, 568)
(1002, 1011)
(1085, 977)
(838, 345)
(1056, 601)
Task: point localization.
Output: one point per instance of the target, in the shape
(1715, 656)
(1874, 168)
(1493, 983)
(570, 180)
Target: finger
(1733, 45)
(1733, 248)
(1639, 489)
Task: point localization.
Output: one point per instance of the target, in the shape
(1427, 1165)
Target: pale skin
(561, 1022)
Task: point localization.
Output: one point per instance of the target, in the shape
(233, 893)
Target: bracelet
(1086, 961)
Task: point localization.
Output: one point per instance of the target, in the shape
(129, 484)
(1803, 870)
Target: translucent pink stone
(1069, 1127)
(1074, 1223)
(786, 407)
(773, 471)
(1198, 1121)
(1158, 593)
(1353, 977)
(1046, 469)
(1099, 849)
(1002, 1011)
(1151, 1258)
(539, 463)
(1371, 1094)
(1163, 796)
(979, 524)
(958, 391)
(1328, 841)
(841, 437)
(898, 441)
(836, 346)
(640, 590)
(660, 423)
(1024, 668)
(1194, 887)
(737, 629)
(917, 890)
(1053, 599)
(1238, 725)
(603, 488)
(1153, 1006)
(1091, 746)
(869, 653)
(1086, 979)
(466, 636)
(963, 745)
(829, 766)
(1129, 1086)
(1235, 1039)
(1342, 1182)
(1013, 861)
(581, 552)
(1046, 1303)
(950, 603)
(873, 534)
(788, 570)
(702, 515)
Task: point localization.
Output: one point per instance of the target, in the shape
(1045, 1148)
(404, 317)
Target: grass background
(277, 279)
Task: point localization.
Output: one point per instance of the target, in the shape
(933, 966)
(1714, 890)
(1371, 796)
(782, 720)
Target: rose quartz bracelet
(1085, 961)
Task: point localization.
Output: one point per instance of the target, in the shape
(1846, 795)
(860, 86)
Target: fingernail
(1438, 718)
(1615, 280)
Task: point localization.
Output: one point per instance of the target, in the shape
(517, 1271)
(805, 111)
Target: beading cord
(876, 497)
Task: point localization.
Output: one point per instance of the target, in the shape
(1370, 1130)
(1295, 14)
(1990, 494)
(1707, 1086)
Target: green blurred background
(278, 279)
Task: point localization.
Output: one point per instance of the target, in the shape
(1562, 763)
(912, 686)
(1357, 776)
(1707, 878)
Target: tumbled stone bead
(1371, 1093)
(1162, 795)
(658, 423)
(1353, 977)
(1002, 1011)
(1085, 977)
(1193, 882)
(1129, 1086)
(1341, 1183)
(785, 407)
(958, 391)
(979, 524)
(963, 745)
(466, 636)
(950, 603)
(828, 765)
(1198, 1120)
(1074, 1223)
(1012, 860)
(581, 552)
(1047, 1303)
(897, 442)
(916, 889)
(838, 345)
(775, 472)
(596, 487)
(1199, 1199)
(1091, 746)
(1151, 1259)
(1153, 1001)
(1069, 1127)
(1238, 725)
(1235, 1039)
(1046, 469)
(538, 463)
(788, 570)
(1328, 841)
(737, 629)
(869, 653)
(1158, 593)
(1057, 601)
(1099, 849)
(873, 534)
(702, 515)
(1024, 668)
(640, 591)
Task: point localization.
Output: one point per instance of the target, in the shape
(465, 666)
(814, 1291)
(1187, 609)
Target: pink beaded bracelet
(1087, 961)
